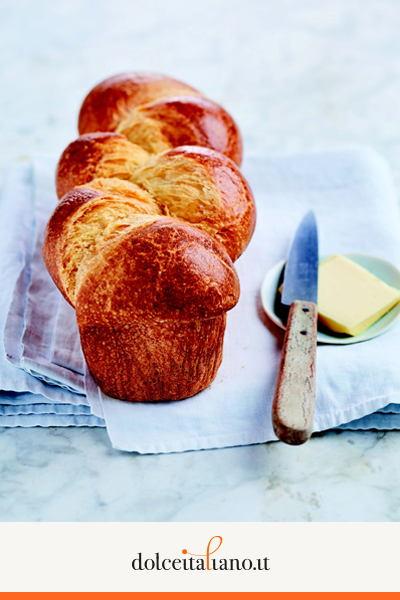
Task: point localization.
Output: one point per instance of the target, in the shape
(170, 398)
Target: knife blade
(294, 398)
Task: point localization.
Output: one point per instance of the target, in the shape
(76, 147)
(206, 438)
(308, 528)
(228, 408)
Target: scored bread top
(159, 113)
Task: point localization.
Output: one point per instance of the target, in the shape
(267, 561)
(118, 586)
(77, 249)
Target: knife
(294, 398)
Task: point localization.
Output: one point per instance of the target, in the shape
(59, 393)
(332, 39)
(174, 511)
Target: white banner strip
(187, 557)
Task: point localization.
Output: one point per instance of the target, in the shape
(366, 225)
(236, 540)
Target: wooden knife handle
(294, 399)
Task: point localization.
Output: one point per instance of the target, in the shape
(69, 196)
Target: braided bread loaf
(143, 241)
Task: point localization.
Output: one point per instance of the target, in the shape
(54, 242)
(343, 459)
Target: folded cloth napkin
(357, 385)
(27, 397)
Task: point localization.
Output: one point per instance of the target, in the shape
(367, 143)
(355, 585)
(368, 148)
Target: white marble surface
(296, 74)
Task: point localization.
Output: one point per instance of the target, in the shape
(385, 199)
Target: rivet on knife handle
(294, 399)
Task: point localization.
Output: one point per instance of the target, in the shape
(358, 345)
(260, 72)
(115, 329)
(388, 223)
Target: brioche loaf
(143, 240)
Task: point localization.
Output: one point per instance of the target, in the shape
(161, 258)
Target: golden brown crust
(111, 100)
(94, 155)
(183, 121)
(158, 113)
(204, 188)
(194, 184)
(85, 221)
(150, 361)
(54, 242)
(161, 337)
(158, 259)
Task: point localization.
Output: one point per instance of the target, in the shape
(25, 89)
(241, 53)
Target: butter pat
(350, 298)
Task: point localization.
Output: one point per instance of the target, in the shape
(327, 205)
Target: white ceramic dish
(377, 266)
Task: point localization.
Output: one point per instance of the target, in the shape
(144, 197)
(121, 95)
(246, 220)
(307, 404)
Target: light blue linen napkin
(29, 398)
(353, 197)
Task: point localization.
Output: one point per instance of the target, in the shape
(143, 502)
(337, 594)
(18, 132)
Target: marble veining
(296, 75)
(74, 475)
